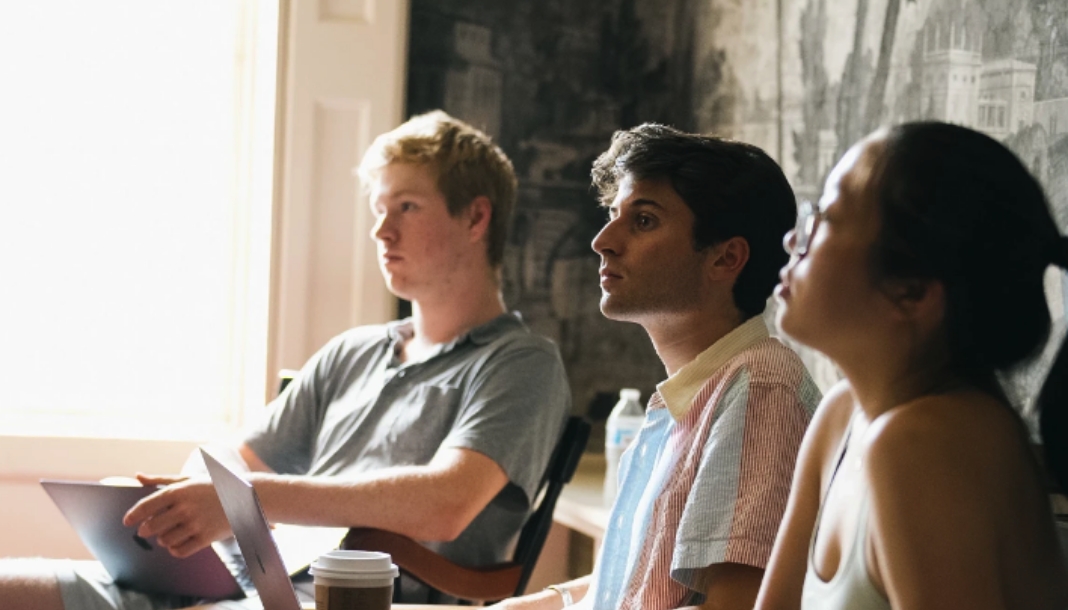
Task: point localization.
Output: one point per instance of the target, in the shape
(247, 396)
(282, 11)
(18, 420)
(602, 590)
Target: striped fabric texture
(706, 482)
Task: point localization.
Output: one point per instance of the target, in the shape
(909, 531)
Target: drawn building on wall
(474, 84)
(827, 151)
(1053, 115)
(1006, 97)
(952, 62)
(551, 80)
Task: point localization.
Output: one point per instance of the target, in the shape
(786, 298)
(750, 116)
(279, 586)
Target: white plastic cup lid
(354, 565)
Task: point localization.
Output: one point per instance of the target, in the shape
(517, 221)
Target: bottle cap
(630, 394)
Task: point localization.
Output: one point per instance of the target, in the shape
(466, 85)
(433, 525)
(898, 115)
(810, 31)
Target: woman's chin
(782, 319)
(787, 325)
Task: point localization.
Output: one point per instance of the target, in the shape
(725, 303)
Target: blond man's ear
(479, 214)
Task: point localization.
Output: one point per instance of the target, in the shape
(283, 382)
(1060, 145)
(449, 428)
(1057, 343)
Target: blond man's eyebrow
(405, 193)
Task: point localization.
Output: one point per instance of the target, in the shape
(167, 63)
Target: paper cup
(353, 580)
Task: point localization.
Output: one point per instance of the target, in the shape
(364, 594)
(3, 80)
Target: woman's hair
(958, 207)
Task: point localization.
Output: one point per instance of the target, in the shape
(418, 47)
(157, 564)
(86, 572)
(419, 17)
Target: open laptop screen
(253, 534)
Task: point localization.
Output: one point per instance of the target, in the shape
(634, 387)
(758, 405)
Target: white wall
(30, 524)
(340, 83)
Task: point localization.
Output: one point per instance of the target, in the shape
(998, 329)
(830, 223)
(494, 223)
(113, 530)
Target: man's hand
(542, 600)
(547, 599)
(185, 516)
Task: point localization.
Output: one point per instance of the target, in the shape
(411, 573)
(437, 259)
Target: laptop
(253, 534)
(95, 511)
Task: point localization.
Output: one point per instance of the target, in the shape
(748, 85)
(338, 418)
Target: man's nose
(604, 242)
(383, 229)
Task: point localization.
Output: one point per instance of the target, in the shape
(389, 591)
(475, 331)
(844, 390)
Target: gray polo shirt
(354, 407)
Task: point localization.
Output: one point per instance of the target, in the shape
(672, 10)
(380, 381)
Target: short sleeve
(740, 490)
(284, 434)
(513, 412)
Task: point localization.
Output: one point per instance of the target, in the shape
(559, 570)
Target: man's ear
(728, 258)
(478, 215)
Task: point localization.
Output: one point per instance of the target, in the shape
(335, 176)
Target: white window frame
(340, 82)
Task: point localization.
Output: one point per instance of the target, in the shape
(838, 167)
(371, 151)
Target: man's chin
(397, 288)
(613, 309)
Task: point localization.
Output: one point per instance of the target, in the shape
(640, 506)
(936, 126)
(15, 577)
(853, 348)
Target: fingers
(188, 547)
(159, 479)
(146, 508)
(181, 541)
(175, 531)
(153, 504)
(184, 517)
(162, 523)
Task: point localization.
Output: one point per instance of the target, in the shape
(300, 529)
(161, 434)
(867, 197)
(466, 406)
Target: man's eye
(407, 206)
(644, 221)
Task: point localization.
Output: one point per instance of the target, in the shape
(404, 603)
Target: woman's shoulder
(834, 412)
(965, 421)
(966, 444)
(951, 476)
(829, 425)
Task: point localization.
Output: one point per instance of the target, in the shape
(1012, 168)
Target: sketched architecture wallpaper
(803, 79)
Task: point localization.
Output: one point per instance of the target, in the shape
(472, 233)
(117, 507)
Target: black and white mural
(803, 79)
(551, 80)
(998, 66)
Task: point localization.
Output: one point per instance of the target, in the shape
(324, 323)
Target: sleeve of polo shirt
(284, 434)
(513, 412)
(741, 487)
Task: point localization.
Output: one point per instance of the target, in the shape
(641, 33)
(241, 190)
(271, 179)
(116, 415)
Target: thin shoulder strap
(843, 444)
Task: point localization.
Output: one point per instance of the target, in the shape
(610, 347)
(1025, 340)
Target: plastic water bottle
(623, 425)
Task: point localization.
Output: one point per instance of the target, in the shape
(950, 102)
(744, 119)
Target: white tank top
(850, 588)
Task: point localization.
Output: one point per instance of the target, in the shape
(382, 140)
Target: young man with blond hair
(437, 427)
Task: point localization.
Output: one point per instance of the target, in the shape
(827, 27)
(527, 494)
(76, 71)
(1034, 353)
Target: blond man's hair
(465, 160)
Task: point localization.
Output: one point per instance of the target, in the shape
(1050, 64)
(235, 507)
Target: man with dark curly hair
(691, 251)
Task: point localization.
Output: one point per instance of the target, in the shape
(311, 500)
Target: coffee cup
(353, 580)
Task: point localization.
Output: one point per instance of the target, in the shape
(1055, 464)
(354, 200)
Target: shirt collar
(400, 330)
(679, 390)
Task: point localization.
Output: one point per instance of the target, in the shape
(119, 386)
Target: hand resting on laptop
(185, 516)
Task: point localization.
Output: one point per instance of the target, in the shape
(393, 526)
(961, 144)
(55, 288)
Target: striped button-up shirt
(707, 478)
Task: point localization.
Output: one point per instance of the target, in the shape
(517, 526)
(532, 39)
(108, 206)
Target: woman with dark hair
(920, 274)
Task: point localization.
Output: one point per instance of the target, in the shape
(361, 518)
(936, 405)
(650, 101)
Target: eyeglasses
(808, 218)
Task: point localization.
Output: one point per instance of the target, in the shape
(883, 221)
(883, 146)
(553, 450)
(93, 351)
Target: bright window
(135, 182)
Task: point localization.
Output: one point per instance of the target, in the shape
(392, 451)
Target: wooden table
(580, 511)
(581, 506)
(311, 606)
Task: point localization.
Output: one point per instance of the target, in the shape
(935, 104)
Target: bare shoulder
(955, 492)
(955, 448)
(967, 425)
(823, 437)
(831, 419)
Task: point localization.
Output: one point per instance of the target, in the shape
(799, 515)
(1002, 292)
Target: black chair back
(562, 467)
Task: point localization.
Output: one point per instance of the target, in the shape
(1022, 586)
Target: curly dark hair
(734, 190)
